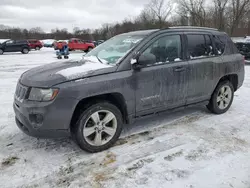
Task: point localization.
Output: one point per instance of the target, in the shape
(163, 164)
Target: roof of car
(142, 32)
(177, 28)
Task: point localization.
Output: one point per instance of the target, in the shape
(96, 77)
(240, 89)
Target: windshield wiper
(99, 60)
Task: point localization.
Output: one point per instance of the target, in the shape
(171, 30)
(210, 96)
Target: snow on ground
(190, 148)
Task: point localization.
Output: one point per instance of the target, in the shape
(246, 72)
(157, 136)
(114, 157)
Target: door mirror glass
(143, 61)
(146, 59)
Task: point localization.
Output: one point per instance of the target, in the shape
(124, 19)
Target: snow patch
(75, 72)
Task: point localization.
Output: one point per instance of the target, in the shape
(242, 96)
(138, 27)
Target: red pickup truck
(78, 44)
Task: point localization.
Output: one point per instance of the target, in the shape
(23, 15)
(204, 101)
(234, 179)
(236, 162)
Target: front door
(162, 84)
(11, 46)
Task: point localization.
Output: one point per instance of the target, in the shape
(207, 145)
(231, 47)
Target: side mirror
(143, 60)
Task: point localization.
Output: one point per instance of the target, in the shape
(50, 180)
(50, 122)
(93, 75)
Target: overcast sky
(49, 14)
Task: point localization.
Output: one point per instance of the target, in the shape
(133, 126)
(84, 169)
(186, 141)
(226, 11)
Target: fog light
(36, 119)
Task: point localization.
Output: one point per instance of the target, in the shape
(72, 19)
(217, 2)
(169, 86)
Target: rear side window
(199, 46)
(220, 44)
(21, 41)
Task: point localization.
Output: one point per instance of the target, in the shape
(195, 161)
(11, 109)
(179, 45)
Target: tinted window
(10, 42)
(21, 41)
(220, 44)
(166, 49)
(200, 46)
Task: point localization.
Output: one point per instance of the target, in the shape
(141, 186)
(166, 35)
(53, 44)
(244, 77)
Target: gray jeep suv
(127, 77)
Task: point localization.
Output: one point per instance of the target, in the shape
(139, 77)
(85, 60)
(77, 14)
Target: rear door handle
(179, 69)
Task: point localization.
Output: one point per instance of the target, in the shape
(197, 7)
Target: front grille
(21, 92)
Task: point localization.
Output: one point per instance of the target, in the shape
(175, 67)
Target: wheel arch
(233, 78)
(116, 99)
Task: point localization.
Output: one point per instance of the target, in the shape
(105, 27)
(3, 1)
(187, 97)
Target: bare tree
(219, 13)
(194, 10)
(160, 9)
(237, 10)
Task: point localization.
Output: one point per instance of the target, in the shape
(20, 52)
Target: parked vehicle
(78, 44)
(90, 41)
(244, 48)
(59, 44)
(15, 46)
(96, 43)
(48, 43)
(35, 44)
(99, 42)
(133, 75)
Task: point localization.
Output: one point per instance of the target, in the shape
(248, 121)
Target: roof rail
(193, 27)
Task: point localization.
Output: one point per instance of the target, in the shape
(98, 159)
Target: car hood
(55, 73)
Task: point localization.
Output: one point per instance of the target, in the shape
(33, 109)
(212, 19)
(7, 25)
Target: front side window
(165, 49)
(111, 51)
(10, 42)
(199, 46)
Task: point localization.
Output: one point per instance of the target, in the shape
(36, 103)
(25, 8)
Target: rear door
(202, 58)
(162, 85)
(21, 44)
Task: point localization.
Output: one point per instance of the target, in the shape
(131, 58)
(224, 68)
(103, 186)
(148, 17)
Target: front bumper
(55, 122)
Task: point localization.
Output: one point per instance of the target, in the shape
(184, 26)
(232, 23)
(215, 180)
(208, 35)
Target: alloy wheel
(224, 97)
(100, 128)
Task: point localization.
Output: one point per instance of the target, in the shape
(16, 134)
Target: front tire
(1, 52)
(222, 98)
(37, 48)
(98, 127)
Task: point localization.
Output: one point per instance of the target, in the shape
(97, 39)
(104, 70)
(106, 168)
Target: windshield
(111, 51)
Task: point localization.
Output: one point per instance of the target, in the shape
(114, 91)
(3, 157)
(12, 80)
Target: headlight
(37, 94)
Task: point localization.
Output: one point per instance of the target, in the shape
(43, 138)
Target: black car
(15, 46)
(244, 48)
(133, 75)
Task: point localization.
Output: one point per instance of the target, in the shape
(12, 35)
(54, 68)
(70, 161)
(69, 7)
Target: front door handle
(179, 69)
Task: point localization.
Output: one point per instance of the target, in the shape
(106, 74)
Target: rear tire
(25, 51)
(37, 48)
(222, 98)
(1, 52)
(98, 127)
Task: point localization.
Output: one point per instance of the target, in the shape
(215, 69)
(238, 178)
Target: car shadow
(161, 119)
(13, 53)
